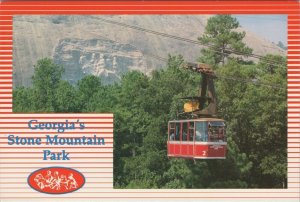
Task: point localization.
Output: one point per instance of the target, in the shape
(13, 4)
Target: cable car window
(191, 131)
(177, 132)
(172, 132)
(216, 131)
(201, 132)
(184, 131)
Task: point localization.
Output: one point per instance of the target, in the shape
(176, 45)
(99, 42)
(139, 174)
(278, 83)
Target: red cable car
(197, 138)
(200, 135)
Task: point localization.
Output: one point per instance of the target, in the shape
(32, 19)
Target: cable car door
(191, 130)
(177, 146)
(184, 140)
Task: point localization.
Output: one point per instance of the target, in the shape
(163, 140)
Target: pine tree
(222, 38)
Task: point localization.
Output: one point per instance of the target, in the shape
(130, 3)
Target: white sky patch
(270, 27)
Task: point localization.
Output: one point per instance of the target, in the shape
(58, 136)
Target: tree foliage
(142, 106)
(46, 78)
(222, 38)
(251, 99)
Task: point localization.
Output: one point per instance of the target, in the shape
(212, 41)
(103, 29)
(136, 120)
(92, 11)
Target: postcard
(149, 100)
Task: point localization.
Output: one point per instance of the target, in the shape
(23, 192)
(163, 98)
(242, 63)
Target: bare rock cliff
(87, 45)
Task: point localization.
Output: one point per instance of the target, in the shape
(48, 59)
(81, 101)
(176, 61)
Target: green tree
(46, 78)
(23, 101)
(88, 86)
(270, 120)
(177, 174)
(66, 98)
(104, 99)
(221, 36)
(143, 114)
(253, 102)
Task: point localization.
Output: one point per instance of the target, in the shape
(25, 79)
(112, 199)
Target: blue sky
(271, 27)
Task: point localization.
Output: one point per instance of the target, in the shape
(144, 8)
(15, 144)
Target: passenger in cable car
(201, 132)
(184, 136)
(172, 137)
(198, 136)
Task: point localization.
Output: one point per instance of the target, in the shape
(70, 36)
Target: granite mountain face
(100, 57)
(88, 45)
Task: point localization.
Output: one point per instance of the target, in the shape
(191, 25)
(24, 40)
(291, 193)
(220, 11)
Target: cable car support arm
(206, 98)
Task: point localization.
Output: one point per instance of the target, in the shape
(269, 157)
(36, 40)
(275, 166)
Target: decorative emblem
(56, 180)
(216, 147)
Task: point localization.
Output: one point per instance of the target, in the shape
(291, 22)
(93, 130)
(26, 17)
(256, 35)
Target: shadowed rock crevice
(100, 57)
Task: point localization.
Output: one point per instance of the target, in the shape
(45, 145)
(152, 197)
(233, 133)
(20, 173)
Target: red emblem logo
(56, 180)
